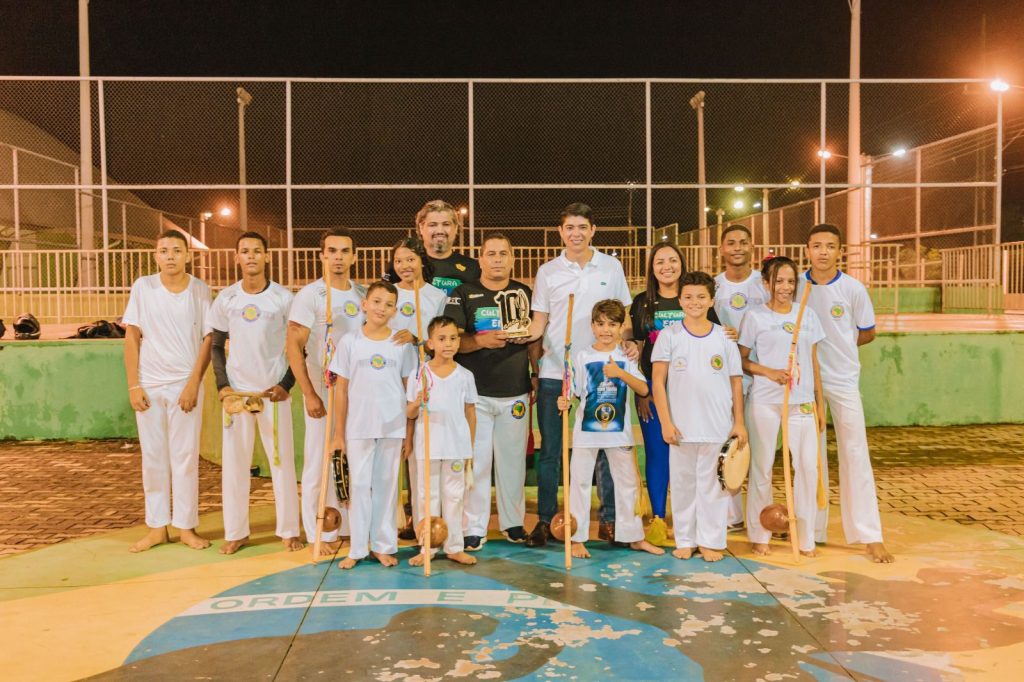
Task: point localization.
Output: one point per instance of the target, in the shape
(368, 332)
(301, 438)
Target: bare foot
(347, 563)
(760, 549)
(155, 536)
(292, 544)
(416, 560)
(683, 552)
(879, 554)
(193, 539)
(461, 558)
(327, 548)
(579, 551)
(232, 546)
(385, 560)
(811, 554)
(711, 555)
(644, 546)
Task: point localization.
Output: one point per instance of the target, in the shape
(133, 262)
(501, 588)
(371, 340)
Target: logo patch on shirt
(679, 365)
(407, 309)
(460, 267)
(806, 408)
(738, 301)
(518, 409)
(457, 466)
(717, 362)
(377, 361)
(250, 313)
(476, 295)
(837, 311)
(351, 309)
(788, 327)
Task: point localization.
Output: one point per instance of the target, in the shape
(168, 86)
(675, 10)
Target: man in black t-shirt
(438, 225)
(487, 313)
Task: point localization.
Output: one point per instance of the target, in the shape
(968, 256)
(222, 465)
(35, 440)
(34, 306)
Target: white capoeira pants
(763, 427)
(858, 499)
(170, 457)
(312, 471)
(238, 440)
(373, 493)
(736, 501)
(628, 526)
(447, 493)
(700, 508)
(501, 435)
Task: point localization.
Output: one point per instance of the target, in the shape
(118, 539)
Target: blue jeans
(549, 463)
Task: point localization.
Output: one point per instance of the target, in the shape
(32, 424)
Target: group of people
(458, 343)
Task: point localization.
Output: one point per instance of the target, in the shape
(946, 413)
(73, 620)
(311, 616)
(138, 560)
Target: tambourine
(733, 464)
(339, 462)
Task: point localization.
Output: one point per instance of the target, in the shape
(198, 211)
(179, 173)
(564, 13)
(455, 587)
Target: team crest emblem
(717, 362)
(407, 309)
(377, 361)
(457, 466)
(460, 267)
(605, 413)
(250, 313)
(806, 408)
(837, 311)
(738, 301)
(518, 409)
(351, 309)
(788, 327)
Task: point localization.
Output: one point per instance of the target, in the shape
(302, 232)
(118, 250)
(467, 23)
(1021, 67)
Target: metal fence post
(820, 214)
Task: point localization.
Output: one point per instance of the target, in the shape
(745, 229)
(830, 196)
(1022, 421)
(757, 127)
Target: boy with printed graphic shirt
(697, 385)
(253, 313)
(848, 319)
(306, 346)
(602, 377)
(451, 398)
(369, 424)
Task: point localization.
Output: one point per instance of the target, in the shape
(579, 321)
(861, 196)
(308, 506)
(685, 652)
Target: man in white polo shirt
(592, 276)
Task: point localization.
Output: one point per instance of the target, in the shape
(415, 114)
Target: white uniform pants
(312, 470)
(238, 441)
(858, 500)
(501, 434)
(373, 493)
(628, 526)
(447, 493)
(763, 428)
(700, 508)
(736, 501)
(170, 457)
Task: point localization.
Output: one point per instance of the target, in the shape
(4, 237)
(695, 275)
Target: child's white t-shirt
(844, 310)
(172, 326)
(604, 417)
(447, 398)
(310, 310)
(771, 335)
(256, 325)
(376, 372)
(699, 384)
(432, 300)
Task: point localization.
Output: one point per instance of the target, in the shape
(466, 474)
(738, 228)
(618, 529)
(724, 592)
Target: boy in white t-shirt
(253, 314)
(697, 385)
(602, 377)
(166, 352)
(369, 425)
(451, 405)
(308, 347)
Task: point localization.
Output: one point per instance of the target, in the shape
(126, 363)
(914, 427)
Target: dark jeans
(549, 463)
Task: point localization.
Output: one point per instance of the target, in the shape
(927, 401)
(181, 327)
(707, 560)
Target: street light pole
(697, 102)
(243, 98)
(854, 196)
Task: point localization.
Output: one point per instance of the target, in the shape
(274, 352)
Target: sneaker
(473, 543)
(540, 535)
(407, 533)
(736, 527)
(515, 534)
(606, 531)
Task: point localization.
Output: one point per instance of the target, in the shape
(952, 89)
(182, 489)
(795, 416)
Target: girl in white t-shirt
(767, 334)
(410, 269)
(451, 406)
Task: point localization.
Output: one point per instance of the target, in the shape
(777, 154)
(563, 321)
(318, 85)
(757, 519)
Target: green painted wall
(911, 299)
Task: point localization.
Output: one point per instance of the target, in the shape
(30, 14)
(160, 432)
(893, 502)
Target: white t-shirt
(601, 278)
(172, 326)
(844, 309)
(433, 301)
(256, 325)
(604, 418)
(310, 310)
(447, 399)
(376, 373)
(699, 383)
(734, 300)
(771, 335)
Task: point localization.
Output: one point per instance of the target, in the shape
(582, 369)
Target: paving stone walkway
(53, 491)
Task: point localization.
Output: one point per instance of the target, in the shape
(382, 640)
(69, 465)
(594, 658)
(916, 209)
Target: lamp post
(697, 102)
(244, 99)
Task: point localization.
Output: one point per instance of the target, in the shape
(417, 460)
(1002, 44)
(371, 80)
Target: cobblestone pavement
(53, 491)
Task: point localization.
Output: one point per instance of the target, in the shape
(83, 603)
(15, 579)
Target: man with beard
(438, 226)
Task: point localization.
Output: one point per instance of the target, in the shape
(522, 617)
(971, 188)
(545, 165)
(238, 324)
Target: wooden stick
(425, 416)
(821, 495)
(566, 391)
(325, 468)
(794, 540)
